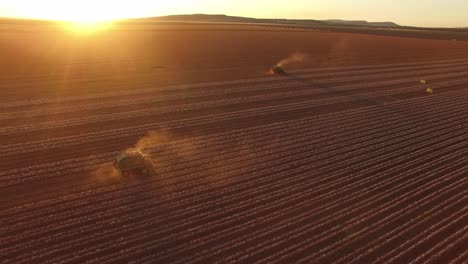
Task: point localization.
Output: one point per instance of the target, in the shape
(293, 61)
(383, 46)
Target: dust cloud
(296, 57)
(152, 138)
(105, 173)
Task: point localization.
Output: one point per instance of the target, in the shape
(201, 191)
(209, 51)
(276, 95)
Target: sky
(427, 13)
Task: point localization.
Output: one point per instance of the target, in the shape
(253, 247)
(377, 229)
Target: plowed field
(347, 159)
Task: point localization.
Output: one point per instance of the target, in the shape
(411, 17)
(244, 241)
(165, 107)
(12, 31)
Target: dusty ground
(347, 158)
(54, 63)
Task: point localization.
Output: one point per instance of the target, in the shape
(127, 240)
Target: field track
(351, 164)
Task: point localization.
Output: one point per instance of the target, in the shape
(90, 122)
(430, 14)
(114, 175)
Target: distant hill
(235, 19)
(359, 23)
(328, 24)
(334, 25)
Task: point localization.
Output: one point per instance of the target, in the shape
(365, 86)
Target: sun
(87, 18)
(88, 26)
(84, 15)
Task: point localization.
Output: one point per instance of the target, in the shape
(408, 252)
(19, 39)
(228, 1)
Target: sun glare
(83, 15)
(87, 26)
(90, 20)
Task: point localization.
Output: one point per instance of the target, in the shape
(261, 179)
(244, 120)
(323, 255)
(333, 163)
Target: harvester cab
(278, 70)
(134, 163)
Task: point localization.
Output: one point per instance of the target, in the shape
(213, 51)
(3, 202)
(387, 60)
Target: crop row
(59, 165)
(177, 123)
(286, 221)
(376, 227)
(225, 227)
(238, 134)
(36, 145)
(295, 82)
(302, 185)
(317, 140)
(223, 137)
(48, 143)
(332, 236)
(452, 248)
(83, 163)
(461, 259)
(425, 236)
(218, 103)
(398, 81)
(288, 82)
(209, 84)
(108, 95)
(17, 221)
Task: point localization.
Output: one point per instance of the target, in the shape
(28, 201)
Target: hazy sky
(447, 13)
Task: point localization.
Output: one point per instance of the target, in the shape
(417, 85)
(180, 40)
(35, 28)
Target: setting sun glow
(88, 12)
(83, 15)
(87, 26)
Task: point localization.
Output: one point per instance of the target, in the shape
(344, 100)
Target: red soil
(51, 63)
(345, 159)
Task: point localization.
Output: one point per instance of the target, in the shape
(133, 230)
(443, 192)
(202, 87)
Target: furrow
(362, 98)
(312, 226)
(407, 245)
(191, 86)
(214, 235)
(380, 224)
(291, 83)
(117, 133)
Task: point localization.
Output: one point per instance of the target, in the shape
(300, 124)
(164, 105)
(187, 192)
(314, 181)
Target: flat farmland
(346, 159)
(43, 62)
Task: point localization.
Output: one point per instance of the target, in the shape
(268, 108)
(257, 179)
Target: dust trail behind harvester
(105, 173)
(152, 138)
(296, 57)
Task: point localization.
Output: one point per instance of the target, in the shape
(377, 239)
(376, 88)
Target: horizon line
(228, 15)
